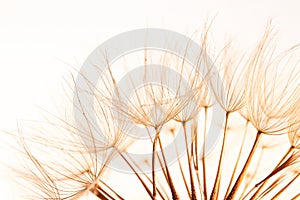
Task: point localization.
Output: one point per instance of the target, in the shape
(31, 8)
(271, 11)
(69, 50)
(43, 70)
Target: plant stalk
(215, 191)
(245, 168)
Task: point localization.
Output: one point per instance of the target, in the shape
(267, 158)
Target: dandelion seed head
(270, 92)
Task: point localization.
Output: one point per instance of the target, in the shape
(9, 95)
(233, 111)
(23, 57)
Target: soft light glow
(42, 41)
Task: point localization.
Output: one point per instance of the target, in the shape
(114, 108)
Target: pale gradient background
(41, 40)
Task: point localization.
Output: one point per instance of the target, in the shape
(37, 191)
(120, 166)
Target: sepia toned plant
(157, 123)
(232, 73)
(294, 135)
(271, 94)
(67, 172)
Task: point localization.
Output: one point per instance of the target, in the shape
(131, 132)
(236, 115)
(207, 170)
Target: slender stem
(296, 197)
(245, 168)
(97, 187)
(169, 178)
(135, 172)
(203, 154)
(181, 169)
(215, 192)
(147, 177)
(238, 158)
(194, 154)
(262, 183)
(98, 194)
(159, 159)
(193, 191)
(121, 198)
(184, 179)
(285, 187)
(153, 166)
(249, 180)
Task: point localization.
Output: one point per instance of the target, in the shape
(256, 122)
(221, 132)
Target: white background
(40, 41)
